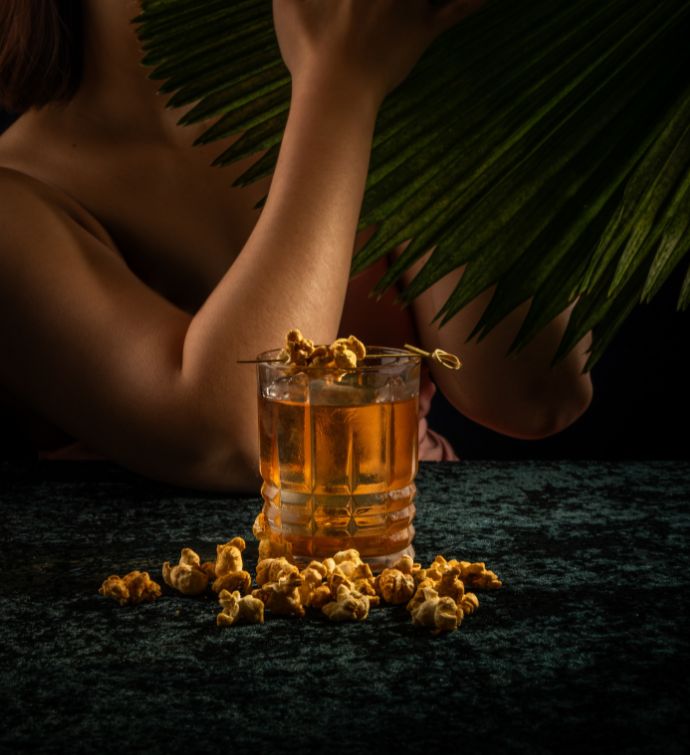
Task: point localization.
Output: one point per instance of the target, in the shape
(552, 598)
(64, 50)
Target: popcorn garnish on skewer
(345, 353)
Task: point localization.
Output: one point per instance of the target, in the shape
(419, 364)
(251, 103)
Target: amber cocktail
(339, 455)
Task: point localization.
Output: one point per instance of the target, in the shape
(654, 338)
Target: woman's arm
(113, 363)
(521, 396)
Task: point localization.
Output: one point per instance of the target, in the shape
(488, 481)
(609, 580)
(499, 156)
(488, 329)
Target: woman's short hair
(41, 52)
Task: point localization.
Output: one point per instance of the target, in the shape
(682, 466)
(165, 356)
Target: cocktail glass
(339, 455)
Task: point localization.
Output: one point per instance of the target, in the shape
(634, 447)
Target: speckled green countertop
(585, 648)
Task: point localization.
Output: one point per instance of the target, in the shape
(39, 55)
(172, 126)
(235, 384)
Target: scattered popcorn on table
(132, 589)
(341, 586)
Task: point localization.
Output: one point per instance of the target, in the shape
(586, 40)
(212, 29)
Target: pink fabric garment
(432, 446)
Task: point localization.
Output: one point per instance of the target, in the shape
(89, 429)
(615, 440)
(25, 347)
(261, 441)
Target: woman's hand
(371, 43)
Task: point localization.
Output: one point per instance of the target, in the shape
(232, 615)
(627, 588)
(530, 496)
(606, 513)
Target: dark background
(640, 407)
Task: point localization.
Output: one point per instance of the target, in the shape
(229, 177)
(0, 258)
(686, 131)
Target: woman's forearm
(523, 395)
(294, 268)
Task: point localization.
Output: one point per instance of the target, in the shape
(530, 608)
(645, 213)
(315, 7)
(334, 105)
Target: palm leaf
(545, 146)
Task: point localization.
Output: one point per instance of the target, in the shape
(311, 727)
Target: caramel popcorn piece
(132, 589)
(426, 582)
(367, 587)
(344, 358)
(446, 581)
(406, 565)
(229, 556)
(187, 577)
(320, 596)
(469, 603)
(336, 578)
(141, 587)
(350, 562)
(357, 581)
(282, 597)
(437, 568)
(322, 356)
(114, 587)
(477, 576)
(272, 548)
(474, 575)
(346, 567)
(238, 609)
(228, 570)
(312, 580)
(351, 554)
(260, 527)
(352, 344)
(418, 596)
(436, 613)
(349, 605)
(394, 586)
(319, 567)
(297, 349)
(450, 585)
(209, 567)
(240, 581)
(272, 569)
(270, 545)
(360, 571)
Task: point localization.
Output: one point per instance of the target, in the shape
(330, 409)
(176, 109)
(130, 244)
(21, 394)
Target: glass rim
(403, 357)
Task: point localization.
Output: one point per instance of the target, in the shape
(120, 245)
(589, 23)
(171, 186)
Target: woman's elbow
(223, 465)
(201, 458)
(533, 413)
(549, 413)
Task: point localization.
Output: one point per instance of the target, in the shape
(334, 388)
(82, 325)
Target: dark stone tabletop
(584, 649)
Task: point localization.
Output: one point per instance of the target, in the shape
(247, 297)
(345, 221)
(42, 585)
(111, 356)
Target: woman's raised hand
(372, 44)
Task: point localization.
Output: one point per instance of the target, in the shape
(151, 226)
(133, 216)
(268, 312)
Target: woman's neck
(116, 97)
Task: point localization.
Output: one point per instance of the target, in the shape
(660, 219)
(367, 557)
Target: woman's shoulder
(18, 186)
(27, 200)
(32, 172)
